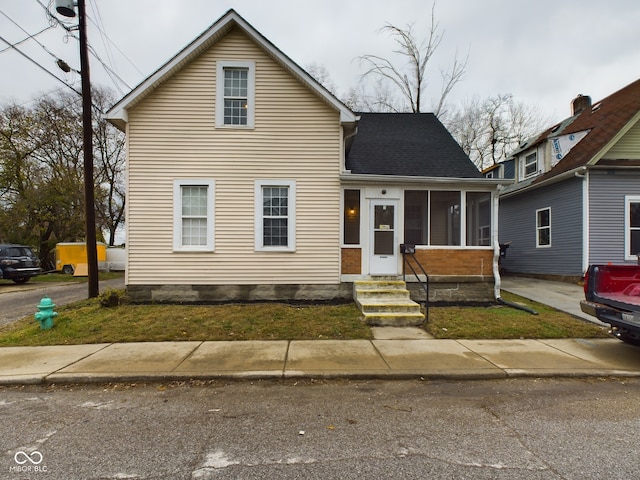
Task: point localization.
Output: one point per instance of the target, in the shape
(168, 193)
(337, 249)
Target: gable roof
(606, 121)
(117, 115)
(407, 144)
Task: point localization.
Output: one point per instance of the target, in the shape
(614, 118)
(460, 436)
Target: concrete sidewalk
(383, 359)
(394, 354)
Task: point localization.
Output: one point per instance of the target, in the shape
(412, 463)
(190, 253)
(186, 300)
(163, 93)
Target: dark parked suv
(18, 263)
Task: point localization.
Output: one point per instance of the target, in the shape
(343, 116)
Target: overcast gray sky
(544, 52)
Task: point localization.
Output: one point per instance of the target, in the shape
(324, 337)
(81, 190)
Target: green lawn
(90, 322)
(506, 322)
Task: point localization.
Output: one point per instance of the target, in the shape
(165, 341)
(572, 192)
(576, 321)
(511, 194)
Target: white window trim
(523, 171)
(538, 228)
(628, 200)
(177, 215)
(251, 91)
(343, 210)
(291, 224)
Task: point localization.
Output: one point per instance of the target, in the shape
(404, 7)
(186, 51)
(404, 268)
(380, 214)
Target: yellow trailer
(71, 257)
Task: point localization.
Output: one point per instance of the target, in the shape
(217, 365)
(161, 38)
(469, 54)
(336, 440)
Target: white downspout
(496, 245)
(584, 175)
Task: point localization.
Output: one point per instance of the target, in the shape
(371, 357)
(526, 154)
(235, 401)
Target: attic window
(235, 93)
(596, 107)
(530, 165)
(555, 129)
(524, 144)
(235, 96)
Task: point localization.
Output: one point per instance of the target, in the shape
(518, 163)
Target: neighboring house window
(275, 215)
(478, 218)
(193, 207)
(632, 227)
(530, 166)
(235, 94)
(351, 217)
(543, 227)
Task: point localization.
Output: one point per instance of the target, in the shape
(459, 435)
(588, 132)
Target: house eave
(350, 178)
(579, 171)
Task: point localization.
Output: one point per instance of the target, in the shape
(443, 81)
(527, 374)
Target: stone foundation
(455, 290)
(443, 290)
(204, 294)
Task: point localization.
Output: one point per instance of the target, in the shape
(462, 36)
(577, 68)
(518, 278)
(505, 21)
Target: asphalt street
(529, 429)
(19, 301)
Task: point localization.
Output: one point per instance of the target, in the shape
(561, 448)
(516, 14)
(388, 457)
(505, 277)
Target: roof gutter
(396, 179)
(576, 172)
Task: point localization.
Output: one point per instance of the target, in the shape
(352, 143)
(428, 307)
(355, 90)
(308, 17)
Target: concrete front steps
(386, 303)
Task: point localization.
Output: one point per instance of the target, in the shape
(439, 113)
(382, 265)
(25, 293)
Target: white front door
(383, 244)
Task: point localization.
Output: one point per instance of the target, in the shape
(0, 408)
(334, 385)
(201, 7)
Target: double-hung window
(193, 215)
(530, 166)
(235, 94)
(632, 227)
(275, 215)
(543, 227)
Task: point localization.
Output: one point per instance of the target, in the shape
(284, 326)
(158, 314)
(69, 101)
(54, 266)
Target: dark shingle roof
(407, 144)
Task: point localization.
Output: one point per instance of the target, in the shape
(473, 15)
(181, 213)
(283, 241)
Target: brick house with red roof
(575, 199)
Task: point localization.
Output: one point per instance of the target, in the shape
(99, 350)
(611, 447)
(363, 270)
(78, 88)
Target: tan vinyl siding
(173, 136)
(628, 147)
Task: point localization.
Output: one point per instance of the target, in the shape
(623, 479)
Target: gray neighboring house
(575, 199)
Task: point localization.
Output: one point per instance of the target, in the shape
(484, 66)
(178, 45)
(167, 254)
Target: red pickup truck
(612, 295)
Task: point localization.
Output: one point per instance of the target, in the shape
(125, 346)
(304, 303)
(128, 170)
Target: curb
(151, 378)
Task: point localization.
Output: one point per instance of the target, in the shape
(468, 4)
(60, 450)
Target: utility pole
(65, 7)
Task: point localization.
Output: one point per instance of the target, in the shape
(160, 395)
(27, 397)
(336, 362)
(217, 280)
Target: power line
(113, 75)
(31, 36)
(118, 48)
(109, 71)
(99, 24)
(53, 20)
(38, 65)
(95, 107)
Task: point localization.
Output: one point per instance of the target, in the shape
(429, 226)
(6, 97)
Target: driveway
(559, 295)
(18, 301)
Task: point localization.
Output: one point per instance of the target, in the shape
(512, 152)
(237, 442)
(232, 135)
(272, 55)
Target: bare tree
(321, 74)
(490, 129)
(109, 158)
(410, 78)
(378, 98)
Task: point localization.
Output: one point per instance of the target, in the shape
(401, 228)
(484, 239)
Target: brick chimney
(580, 103)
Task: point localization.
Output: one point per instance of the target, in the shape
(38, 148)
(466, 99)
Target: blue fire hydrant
(46, 314)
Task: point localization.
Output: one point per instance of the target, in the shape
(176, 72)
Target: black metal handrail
(409, 252)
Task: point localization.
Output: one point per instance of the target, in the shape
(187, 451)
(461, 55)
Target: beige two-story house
(247, 180)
